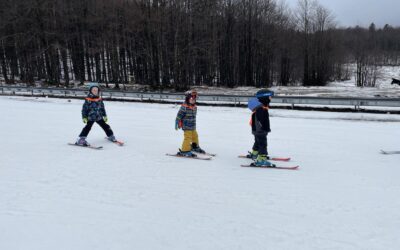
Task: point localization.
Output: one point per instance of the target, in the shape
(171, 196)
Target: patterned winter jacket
(93, 108)
(186, 117)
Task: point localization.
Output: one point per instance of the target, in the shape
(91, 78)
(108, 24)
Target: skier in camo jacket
(93, 111)
(186, 120)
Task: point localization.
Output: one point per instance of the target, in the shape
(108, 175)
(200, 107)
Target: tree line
(181, 43)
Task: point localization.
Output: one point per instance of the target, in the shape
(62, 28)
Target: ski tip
(118, 142)
(282, 159)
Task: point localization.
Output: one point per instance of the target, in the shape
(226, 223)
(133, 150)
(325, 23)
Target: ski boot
(186, 153)
(252, 155)
(111, 138)
(82, 142)
(261, 161)
(197, 149)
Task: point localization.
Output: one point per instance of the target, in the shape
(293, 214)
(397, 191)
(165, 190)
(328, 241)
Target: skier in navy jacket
(93, 111)
(260, 126)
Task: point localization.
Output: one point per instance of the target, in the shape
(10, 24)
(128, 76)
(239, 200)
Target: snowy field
(55, 196)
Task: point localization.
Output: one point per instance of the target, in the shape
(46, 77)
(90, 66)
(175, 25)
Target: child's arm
(181, 114)
(85, 110)
(103, 109)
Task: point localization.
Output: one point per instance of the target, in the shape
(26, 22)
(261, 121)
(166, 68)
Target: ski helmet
(264, 96)
(264, 93)
(93, 85)
(190, 94)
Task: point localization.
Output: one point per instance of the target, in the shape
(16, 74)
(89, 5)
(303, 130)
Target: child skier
(260, 126)
(93, 111)
(186, 120)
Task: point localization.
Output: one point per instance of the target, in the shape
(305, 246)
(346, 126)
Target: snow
(55, 196)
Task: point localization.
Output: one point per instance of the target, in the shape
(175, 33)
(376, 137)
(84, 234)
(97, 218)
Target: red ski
(269, 158)
(119, 143)
(197, 157)
(273, 167)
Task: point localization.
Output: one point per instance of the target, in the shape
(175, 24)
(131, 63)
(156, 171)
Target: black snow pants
(103, 125)
(260, 143)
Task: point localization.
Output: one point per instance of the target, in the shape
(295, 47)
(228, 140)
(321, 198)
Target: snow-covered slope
(55, 196)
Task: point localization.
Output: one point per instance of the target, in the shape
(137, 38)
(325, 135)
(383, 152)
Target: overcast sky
(362, 12)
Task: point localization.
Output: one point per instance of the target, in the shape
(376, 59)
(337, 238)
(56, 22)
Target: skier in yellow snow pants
(186, 120)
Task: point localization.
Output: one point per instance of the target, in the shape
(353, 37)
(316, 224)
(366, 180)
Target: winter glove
(85, 120)
(105, 118)
(177, 125)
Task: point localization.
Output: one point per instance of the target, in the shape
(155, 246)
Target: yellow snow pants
(190, 136)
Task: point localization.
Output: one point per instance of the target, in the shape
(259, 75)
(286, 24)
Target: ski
(197, 157)
(90, 146)
(207, 154)
(273, 167)
(119, 143)
(389, 152)
(269, 158)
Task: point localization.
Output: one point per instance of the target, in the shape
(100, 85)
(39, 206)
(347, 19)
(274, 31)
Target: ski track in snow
(54, 196)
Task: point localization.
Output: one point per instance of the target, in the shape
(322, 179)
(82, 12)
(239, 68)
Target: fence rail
(214, 99)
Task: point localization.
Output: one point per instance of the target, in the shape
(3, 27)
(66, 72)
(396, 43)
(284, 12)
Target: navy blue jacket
(260, 121)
